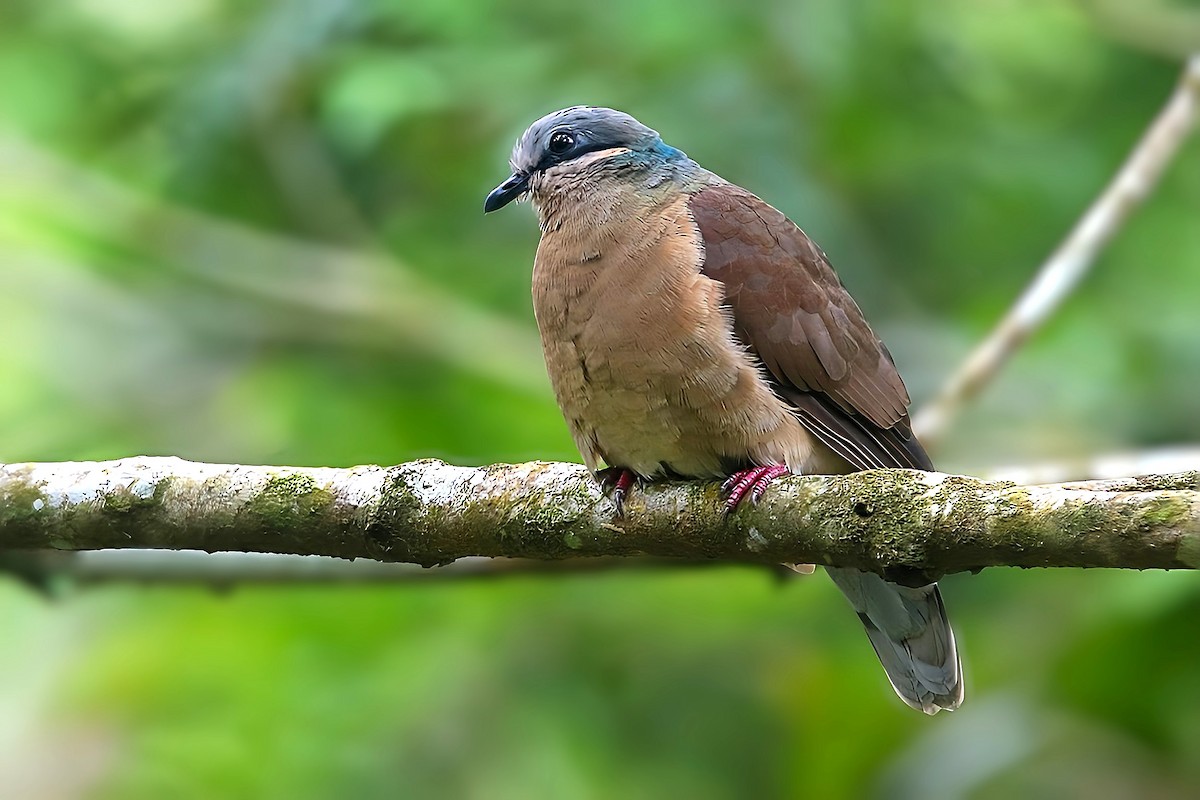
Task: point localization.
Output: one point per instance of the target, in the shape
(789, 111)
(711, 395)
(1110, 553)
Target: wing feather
(822, 357)
(791, 310)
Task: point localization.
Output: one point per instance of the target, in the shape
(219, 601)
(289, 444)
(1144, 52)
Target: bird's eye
(561, 142)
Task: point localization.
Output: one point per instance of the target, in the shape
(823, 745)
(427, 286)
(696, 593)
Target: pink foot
(616, 482)
(752, 482)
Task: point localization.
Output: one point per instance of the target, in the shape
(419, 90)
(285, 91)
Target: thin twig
(46, 569)
(1062, 272)
(1103, 466)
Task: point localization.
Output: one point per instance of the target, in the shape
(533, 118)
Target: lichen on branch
(909, 526)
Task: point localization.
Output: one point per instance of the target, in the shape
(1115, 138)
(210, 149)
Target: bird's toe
(749, 483)
(616, 482)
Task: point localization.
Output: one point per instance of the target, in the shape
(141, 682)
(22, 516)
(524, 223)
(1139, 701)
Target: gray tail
(911, 635)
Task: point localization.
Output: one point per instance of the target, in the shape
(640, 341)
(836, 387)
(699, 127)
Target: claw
(749, 482)
(616, 482)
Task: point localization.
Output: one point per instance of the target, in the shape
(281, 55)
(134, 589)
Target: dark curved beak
(505, 193)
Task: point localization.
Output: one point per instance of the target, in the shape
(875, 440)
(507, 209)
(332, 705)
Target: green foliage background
(252, 232)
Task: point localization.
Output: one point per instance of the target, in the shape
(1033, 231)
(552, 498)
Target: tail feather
(911, 635)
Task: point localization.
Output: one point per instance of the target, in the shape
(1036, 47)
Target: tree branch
(909, 526)
(1102, 466)
(1067, 265)
(48, 569)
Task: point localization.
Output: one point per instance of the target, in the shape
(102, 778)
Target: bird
(691, 330)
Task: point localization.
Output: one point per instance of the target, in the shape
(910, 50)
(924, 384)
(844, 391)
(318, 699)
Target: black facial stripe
(581, 148)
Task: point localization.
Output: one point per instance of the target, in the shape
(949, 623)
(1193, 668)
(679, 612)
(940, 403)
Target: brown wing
(791, 310)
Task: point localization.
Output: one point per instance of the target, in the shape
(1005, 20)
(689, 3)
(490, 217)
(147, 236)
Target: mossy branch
(909, 526)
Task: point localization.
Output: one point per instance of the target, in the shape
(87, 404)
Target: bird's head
(577, 141)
